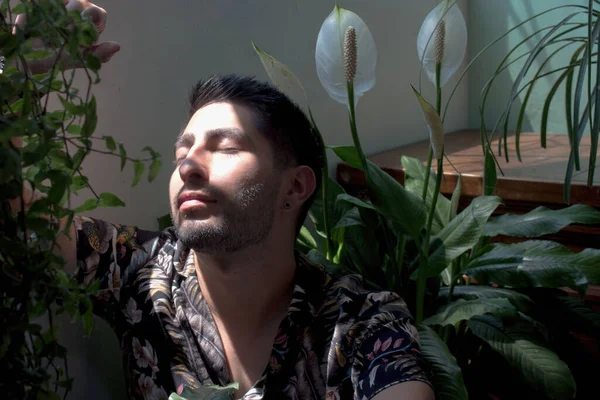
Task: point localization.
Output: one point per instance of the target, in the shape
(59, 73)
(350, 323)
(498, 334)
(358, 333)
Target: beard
(242, 221)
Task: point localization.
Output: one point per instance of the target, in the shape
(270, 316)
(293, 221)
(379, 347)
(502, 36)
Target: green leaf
(350, 218)
(541, 221)
(109, 200)
(434, 123)
(110, 143)
(74, 130)
(38, 54)
(472, 292)
(578, 316)
(88, 205)
(455, 199)
(519, 344)
(151, 151)
(461, 310)
(91, 118)
(446, 374)
(461, 234)
(280, 75)
(74, 109)
(406, 210)
(344, 197)
(416, 173)
(139, 168)
(349, 155)
(60, 182)
(207, 393)
(154, 169)
(92, 62)
(305, 240)
(534, 263)
(78, 183)
(122, 155)
(489, 174)
(164, 222)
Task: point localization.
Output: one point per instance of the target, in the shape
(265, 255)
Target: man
(223, 296)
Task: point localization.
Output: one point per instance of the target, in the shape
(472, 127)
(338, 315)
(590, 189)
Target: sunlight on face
(224, 188)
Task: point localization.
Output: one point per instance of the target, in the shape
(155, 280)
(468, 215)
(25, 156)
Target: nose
(191, 171)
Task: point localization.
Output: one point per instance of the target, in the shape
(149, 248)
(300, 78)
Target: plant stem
(438, 108)
(421, 277)
(324, 189)
(357, 145)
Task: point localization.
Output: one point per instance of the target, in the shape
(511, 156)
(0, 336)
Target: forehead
(216, 116)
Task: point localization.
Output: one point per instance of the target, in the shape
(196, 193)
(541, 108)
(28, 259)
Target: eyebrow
(187, 139)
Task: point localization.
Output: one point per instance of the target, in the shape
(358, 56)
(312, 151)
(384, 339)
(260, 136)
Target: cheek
(175, 184)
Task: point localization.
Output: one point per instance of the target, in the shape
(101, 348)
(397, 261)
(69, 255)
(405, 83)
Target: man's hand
(97, 15)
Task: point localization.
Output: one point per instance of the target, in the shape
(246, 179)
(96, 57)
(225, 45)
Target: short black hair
(284, 124)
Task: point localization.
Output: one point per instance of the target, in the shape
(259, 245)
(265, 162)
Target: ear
(301, 185)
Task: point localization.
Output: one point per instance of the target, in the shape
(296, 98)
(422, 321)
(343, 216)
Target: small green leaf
(154, 169)
(91, 118)
(150, 150)
(305, 242)
(461, 310)
(110, 143)
(74, 109)
(489, 174)
(139, 168)
(122, 155)
(38, 54)
(74, 129)
(348, 154)
(109, 200)
(60, 182)
(280, 75)
(88, 205)
(92, 62)
(434, 123)
(78, 183)
(446, 374)
(455, 199)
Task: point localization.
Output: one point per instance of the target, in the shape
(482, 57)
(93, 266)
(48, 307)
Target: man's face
(224, 189)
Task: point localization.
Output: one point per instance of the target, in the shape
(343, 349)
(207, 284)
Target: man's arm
(412, 390)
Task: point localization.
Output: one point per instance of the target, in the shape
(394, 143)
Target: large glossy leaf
(446, 374)
(414, 181)
(455, 199)
(534, 263)
(336, 210)
(434, 124)
(330, 60)
(405, 209)
(460, 310)
(472, 292)
(579, 316)
(541, 221)
(461, 234)
(522, 347)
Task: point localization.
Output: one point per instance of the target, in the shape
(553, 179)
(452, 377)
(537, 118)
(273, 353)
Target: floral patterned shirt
(338, 340)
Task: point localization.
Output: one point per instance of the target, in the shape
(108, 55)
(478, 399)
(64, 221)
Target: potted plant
(44, 148)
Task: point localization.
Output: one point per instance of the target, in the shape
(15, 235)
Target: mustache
(207, 191)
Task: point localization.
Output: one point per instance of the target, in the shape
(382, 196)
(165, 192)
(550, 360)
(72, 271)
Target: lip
(193, 199)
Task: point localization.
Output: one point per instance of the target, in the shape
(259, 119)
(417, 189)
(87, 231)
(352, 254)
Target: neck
(246, 289)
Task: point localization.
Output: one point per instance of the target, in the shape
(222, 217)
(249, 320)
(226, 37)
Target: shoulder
(373, 336)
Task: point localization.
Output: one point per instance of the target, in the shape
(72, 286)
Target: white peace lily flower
(329, 55)
(149, 390)
(448, 42)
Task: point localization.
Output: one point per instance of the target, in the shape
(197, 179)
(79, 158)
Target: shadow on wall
(489, 20)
